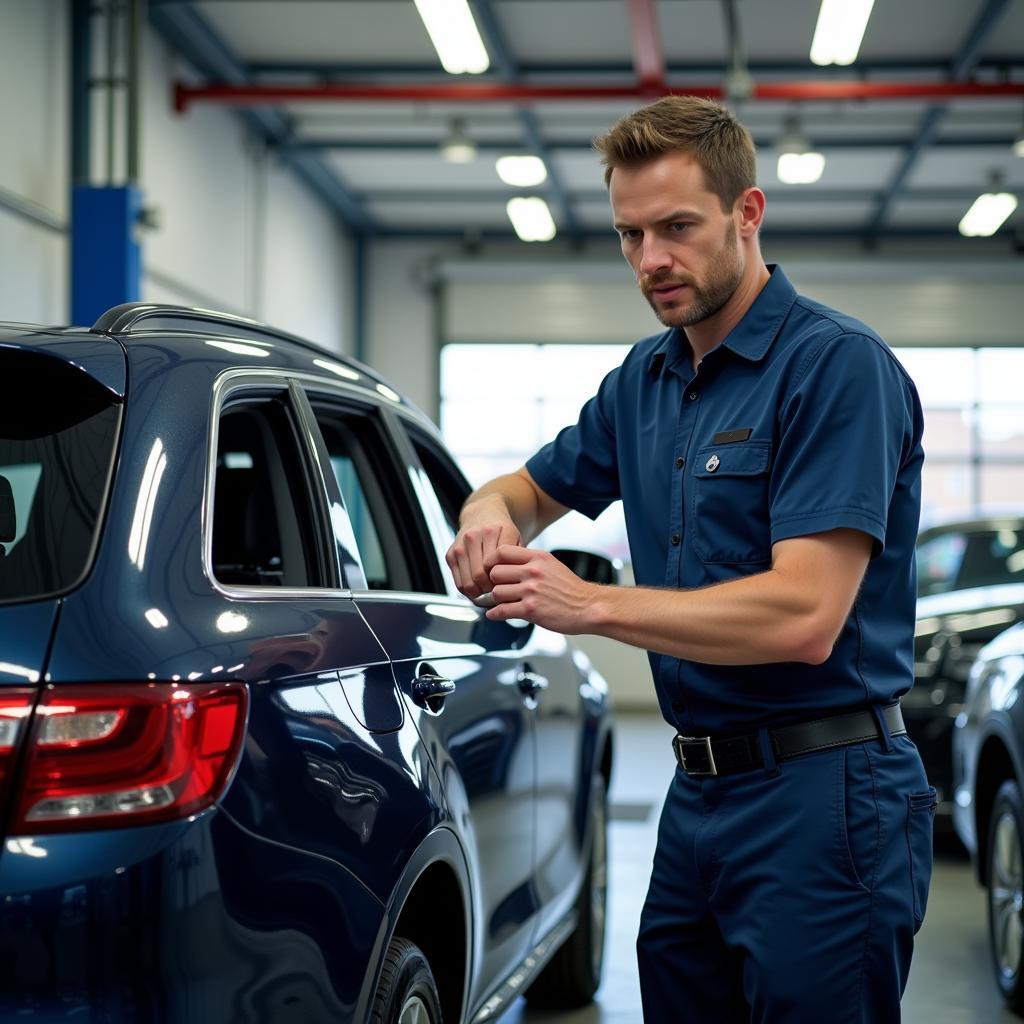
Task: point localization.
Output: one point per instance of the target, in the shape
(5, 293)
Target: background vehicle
(260, 761)
(988, 811)
(970, 589)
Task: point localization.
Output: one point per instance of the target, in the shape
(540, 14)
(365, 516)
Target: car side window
(445, 486)
(387, 529)
(264, 533)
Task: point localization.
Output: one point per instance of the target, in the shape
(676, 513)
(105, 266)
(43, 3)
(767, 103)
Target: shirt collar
(750, 338)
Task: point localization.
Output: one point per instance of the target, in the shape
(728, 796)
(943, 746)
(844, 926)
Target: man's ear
(751, 205)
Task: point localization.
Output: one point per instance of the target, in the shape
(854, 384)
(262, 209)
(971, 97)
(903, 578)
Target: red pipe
(648, 57)
(495, 92)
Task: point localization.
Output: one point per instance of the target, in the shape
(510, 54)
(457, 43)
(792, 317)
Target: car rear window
(58, 435)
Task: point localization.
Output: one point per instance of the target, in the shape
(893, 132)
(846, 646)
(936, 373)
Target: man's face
(681, 245)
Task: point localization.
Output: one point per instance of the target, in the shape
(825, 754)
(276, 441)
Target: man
(767, 451)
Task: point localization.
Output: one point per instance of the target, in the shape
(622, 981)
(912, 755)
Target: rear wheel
(571, 977)
(406, 992)
(1006, 893)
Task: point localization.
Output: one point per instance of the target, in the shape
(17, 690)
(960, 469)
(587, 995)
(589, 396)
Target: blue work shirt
(800, 421)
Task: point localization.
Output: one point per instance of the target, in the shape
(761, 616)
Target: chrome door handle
(429, 692)
(530, 683)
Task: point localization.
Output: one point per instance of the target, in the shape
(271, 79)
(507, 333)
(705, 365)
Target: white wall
(237, 231)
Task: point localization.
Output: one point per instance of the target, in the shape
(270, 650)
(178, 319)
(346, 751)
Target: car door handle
(430, 691)
(530, 683)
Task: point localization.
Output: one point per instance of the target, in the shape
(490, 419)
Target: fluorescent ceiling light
(521, 171)
(800, 168)
(987, 214)
(453, 32)
(458, 147)
(531, 219)
(1018, 145)
(798, 163)
(840, 29)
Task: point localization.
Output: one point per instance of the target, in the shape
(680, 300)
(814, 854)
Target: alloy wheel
(1006, 893)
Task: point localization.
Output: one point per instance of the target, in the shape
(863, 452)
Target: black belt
(705, 755)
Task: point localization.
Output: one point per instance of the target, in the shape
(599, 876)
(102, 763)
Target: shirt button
(675, 540)
(692, 396)
(680, 462)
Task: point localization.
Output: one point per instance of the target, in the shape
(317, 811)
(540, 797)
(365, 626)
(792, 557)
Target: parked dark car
(259, 760)
(988, 809)
(970, 588)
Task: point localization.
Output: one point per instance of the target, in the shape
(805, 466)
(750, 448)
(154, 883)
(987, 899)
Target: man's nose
(654, 256)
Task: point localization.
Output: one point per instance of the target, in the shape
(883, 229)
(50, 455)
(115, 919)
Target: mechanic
(767, 451)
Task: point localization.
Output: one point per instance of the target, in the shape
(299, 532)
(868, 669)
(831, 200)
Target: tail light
(15, 708)
(107, 756)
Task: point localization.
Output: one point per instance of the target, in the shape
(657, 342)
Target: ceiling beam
(508, 71)
(960, 69)
(189, 34)
(508, 145)
(619, 69)
(645, 37)
(254, 95)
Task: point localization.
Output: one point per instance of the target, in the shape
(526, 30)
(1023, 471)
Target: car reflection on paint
(970, 589)
(261, 761)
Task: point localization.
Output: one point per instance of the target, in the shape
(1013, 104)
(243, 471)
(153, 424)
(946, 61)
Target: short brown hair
(706, 130)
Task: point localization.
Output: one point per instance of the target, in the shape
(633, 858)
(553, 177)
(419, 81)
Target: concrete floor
(950, 981)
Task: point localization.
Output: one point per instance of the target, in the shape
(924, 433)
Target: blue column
(106, 259)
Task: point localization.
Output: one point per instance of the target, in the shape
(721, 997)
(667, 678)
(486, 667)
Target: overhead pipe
(648, 56)
(253, 95)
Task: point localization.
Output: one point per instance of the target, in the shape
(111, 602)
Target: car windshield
(961, 559)
(57, 440)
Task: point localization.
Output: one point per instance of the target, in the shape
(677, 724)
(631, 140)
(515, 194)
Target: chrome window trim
(228, 383)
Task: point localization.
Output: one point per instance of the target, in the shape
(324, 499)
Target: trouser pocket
(920, 815)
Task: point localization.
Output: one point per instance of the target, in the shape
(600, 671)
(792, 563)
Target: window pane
(574, 372)
(944, 376)
(1002, 486)
(491, 426)
(262, 529)
(1002, 429)
(478, 370)
(947, 432)
(944, 488)
(1001, 374)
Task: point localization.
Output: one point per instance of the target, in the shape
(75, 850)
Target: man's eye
(629, 234)
(678, 226)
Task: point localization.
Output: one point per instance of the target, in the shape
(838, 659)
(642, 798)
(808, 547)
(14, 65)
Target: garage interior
(310, 164)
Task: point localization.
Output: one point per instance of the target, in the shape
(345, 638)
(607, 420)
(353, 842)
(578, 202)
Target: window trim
(228, 386)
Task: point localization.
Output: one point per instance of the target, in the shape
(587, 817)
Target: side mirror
(8, 523)
(589, 566)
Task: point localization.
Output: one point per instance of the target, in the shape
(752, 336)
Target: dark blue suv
(259, 761)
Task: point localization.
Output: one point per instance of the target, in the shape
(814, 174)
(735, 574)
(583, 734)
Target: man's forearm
(510, 495)
(755, 620)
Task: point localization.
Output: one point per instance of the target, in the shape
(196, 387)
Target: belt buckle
(679, 741)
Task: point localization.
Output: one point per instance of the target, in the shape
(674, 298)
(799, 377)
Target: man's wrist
(600, 608)
(483, 510)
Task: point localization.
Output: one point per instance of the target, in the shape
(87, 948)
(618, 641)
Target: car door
(458, 674)
(550, 683)
(332, 764)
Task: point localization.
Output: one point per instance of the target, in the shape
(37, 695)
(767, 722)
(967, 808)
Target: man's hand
(536, 586)
(474, 551)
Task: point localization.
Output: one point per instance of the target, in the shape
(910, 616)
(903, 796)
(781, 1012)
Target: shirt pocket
(729, 507)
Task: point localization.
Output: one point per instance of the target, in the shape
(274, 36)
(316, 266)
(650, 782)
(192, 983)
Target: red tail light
(15, 708)
(107, 756)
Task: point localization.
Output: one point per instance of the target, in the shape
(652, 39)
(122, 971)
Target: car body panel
(26, 630)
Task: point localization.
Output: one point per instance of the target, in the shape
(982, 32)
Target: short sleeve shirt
(801, 421)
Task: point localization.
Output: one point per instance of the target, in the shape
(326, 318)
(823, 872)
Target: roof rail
(132, 316)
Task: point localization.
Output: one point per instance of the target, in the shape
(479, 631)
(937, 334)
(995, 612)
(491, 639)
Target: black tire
(1005, 888)
(406, 992)
(572, 975)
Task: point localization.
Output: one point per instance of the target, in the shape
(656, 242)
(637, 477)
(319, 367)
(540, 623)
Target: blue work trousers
(789, 896)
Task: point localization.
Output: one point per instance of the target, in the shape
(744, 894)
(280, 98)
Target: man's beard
(724, 273)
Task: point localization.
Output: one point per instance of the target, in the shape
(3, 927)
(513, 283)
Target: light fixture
(531, 219)
(840, 29)
(457, 147)
(521, 171)
(989, 210)
(452, 30)
(798, 163)
(1018, 144)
